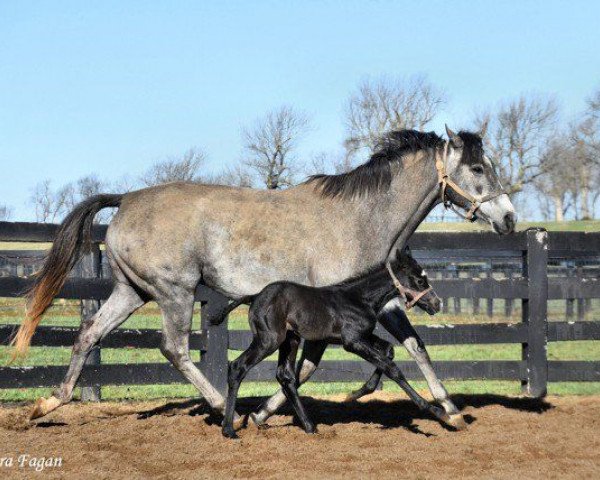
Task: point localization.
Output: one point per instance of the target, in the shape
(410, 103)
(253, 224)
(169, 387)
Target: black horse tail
(73, 237)
(220, 316)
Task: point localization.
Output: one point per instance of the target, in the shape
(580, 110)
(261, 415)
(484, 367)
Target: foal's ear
(455, 140)
(406, 250)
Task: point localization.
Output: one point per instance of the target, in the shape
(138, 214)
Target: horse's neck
(373, 287)
(413, 194)
(424, 209)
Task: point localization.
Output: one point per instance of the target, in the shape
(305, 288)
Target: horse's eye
(421, 282)
(477, 169)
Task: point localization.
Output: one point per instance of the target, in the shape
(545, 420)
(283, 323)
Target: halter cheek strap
(404, 291)
(445, 181)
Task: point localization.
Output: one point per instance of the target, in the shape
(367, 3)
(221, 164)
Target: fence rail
(529, 255)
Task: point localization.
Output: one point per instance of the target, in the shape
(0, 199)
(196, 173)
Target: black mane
(376, 174)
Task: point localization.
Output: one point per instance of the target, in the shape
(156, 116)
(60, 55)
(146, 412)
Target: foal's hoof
(230, 433)
(43, 407)
(457, 421)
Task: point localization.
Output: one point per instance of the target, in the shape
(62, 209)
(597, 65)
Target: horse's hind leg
(177, 311)
(123, 301)
(371, 384)
(312, 352)
(287, 378)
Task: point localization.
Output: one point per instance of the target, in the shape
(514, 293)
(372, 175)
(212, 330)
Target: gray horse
(164, 240)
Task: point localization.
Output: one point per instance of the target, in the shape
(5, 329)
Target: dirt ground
(383, 436)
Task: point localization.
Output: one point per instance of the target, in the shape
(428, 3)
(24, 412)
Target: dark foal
(283, 313)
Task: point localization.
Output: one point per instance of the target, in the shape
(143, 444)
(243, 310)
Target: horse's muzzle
(508, 224)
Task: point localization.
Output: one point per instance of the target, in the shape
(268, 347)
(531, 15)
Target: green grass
(575, 226)
(66, 314)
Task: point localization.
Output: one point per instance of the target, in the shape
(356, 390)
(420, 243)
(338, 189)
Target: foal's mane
(376, 174)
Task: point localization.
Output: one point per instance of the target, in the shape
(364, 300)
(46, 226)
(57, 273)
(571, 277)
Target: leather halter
(404, 291)
(445, 181)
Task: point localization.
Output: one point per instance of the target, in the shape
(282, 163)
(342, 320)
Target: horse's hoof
(240, 422)
(258, 420)
(310, 429)
(43, 407)
(352, 397)
(230, 433)
(457, 421)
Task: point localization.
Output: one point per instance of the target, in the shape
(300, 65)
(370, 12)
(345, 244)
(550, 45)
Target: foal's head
(414, 279)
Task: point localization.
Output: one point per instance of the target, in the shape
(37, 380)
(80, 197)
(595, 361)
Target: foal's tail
(220, 316)
(73, 237)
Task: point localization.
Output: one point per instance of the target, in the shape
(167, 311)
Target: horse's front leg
(312, 352)
(395, 321)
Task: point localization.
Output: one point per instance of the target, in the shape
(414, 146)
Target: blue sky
(111, 87)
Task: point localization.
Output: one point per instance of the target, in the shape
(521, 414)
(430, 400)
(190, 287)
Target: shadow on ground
(388, 414)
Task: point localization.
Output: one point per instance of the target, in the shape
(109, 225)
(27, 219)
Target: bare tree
(86, 187)
(183, 169)
(269, 146)
(389, 104)
(330, 162)
(517, 132)
(236, 176)
(593, 105)
(125, 184)
(5, 213)
(50, 205)
(558, 180)
(586, 144)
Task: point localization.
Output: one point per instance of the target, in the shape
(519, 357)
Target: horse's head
(472, 171)
(413, 280)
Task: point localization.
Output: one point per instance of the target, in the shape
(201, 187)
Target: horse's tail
(73, 237)
(220, 316)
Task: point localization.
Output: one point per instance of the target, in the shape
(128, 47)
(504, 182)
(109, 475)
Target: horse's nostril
(509, 221)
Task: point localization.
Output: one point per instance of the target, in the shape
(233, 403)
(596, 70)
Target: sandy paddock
(382, 437)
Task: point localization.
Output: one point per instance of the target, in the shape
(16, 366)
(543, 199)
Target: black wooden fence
(533, 287)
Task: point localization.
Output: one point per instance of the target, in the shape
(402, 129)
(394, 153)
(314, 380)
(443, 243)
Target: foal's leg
(287, 378)
(371, 384)
(395, 321)
(365, 348)
(311, 356)
(122, 302)
(177, 310)
(263, 344)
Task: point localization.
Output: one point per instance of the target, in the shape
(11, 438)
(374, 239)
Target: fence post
(508, 303)
(445, 301)
(91, 267)
(534, 353)
(570, 302)
(213, 361)
(580, 301)
(490, 301)
(475, 300)
(455, 274)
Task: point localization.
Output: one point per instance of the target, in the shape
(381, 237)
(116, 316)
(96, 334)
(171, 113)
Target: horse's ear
(484, 127)
(406, 250)
(454, 138)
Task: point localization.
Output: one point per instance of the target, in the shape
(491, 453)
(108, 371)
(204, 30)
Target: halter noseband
(445, 181)
(404, 291)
